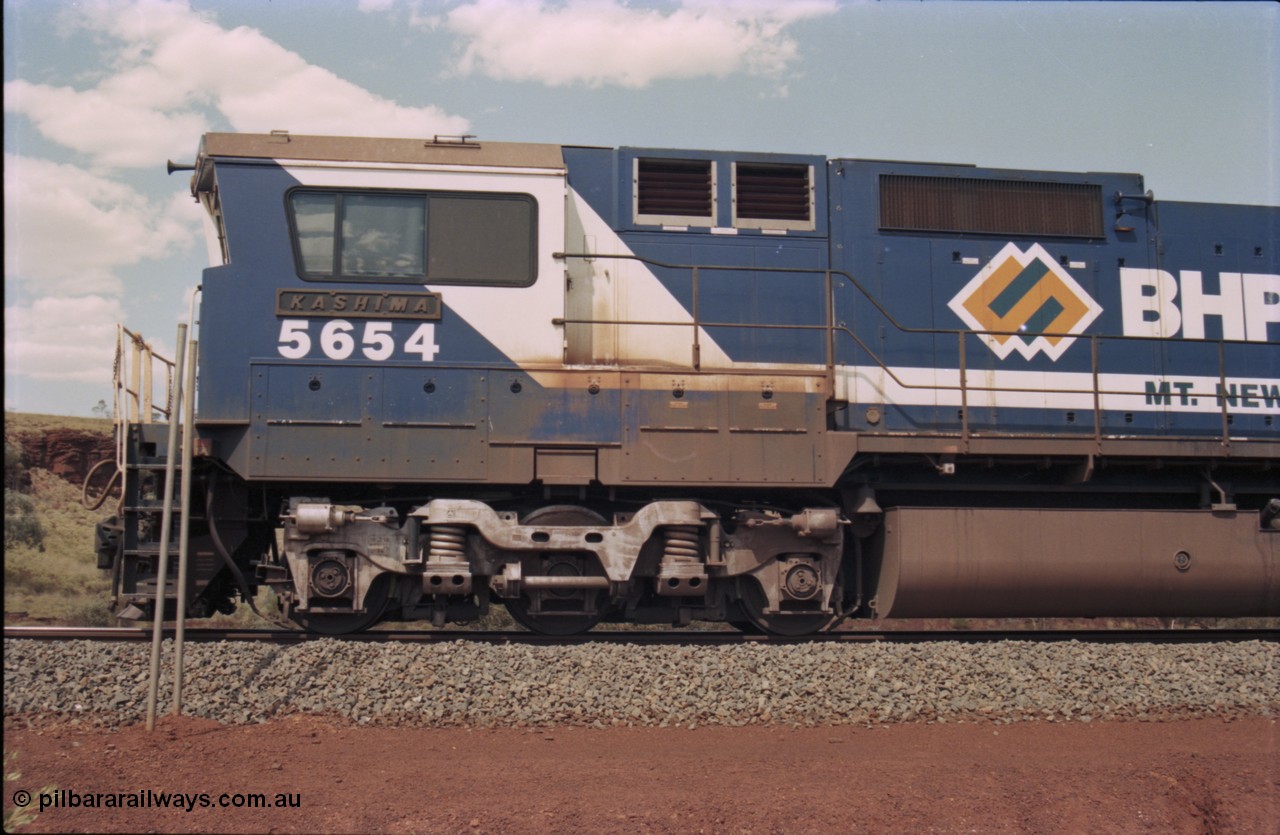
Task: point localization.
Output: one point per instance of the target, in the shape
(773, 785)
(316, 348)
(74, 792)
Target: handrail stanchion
(697, 342)
(831, 327)
(1097, 393)
(135, 367)
(166, 526)
(120, 403)
(188, 442)
(1222, 394)
(147, 385)
(964, 395)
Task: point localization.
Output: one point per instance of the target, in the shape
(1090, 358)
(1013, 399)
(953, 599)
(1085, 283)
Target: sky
(98, 94)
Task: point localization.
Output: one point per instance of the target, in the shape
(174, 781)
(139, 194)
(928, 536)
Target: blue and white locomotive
(775, 390)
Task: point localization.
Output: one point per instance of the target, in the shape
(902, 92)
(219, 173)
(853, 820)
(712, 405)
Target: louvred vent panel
(672, 187)
(912, 203)
(773, 192)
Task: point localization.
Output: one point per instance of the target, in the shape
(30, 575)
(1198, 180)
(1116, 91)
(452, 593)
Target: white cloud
(605, 42)
(346, 110)
(175, 70)
(139, 134)
(75, 236)
(62, 338)
(68, 230)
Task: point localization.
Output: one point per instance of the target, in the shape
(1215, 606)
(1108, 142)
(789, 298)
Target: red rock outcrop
(67, 453)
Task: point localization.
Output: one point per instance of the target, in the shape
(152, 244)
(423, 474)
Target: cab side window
(436, 237)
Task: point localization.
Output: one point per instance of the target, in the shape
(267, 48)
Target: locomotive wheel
(375, 602)
(745, 626)
(564, 621)
(754, 603)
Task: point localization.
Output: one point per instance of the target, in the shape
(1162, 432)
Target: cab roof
(446, 150)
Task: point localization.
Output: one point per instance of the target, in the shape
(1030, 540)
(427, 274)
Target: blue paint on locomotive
(904, 313)
(1217, 241)
(239, 331)
(746, 294)
(914, 290)
(752, 295)
(917, 276)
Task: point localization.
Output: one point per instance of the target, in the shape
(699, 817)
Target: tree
(21, 524)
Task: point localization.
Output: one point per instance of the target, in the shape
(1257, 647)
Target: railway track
(658, 637)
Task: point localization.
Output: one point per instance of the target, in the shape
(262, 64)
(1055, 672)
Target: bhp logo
(1027, 295)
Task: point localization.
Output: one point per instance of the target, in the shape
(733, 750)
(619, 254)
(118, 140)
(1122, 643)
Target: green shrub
(50, 569)
(92, 612)
(13, 469)
(21, 525)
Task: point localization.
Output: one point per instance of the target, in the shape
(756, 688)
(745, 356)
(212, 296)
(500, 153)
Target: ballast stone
(482, 685)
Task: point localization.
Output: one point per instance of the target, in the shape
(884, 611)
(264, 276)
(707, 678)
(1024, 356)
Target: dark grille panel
(773, 192)
(912, 203)
(674, 187)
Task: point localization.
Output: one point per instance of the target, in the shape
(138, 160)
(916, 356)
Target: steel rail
(659, 637)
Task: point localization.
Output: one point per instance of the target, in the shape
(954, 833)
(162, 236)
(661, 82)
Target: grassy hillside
(21, 422)
(49, 566)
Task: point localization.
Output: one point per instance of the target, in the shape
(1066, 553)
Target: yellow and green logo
(1025, 302)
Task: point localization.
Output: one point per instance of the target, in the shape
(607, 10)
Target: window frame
(423, 194)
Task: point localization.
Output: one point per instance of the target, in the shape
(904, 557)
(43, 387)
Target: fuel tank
(967, 562)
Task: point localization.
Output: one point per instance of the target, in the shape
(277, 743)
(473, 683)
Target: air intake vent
(773, 192)
(911, 203)
(674, 190)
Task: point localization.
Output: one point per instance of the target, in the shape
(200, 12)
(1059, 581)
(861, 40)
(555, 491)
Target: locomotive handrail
(832, 326)
(136, 399)
(133, 399)
(856, 285)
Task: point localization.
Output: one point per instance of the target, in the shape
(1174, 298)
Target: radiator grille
(912, 203)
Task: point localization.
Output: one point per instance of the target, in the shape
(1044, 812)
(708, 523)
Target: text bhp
(1158, 305)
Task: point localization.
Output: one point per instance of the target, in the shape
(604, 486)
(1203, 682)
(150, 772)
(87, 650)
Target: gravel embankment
(478, 685)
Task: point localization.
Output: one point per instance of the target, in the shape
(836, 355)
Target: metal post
(120, 405)
(831, 327)
(964, 395)
(135, 366)
(188, 441)
(1097, 394)
(697, 342)
(1222, 394)
(166, 525)
(147, 384)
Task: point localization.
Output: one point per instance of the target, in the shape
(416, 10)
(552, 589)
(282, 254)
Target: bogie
(559, 569)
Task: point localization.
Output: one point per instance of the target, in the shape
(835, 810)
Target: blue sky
(98, 94)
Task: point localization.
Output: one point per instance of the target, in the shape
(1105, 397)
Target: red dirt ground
(1192, 776)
